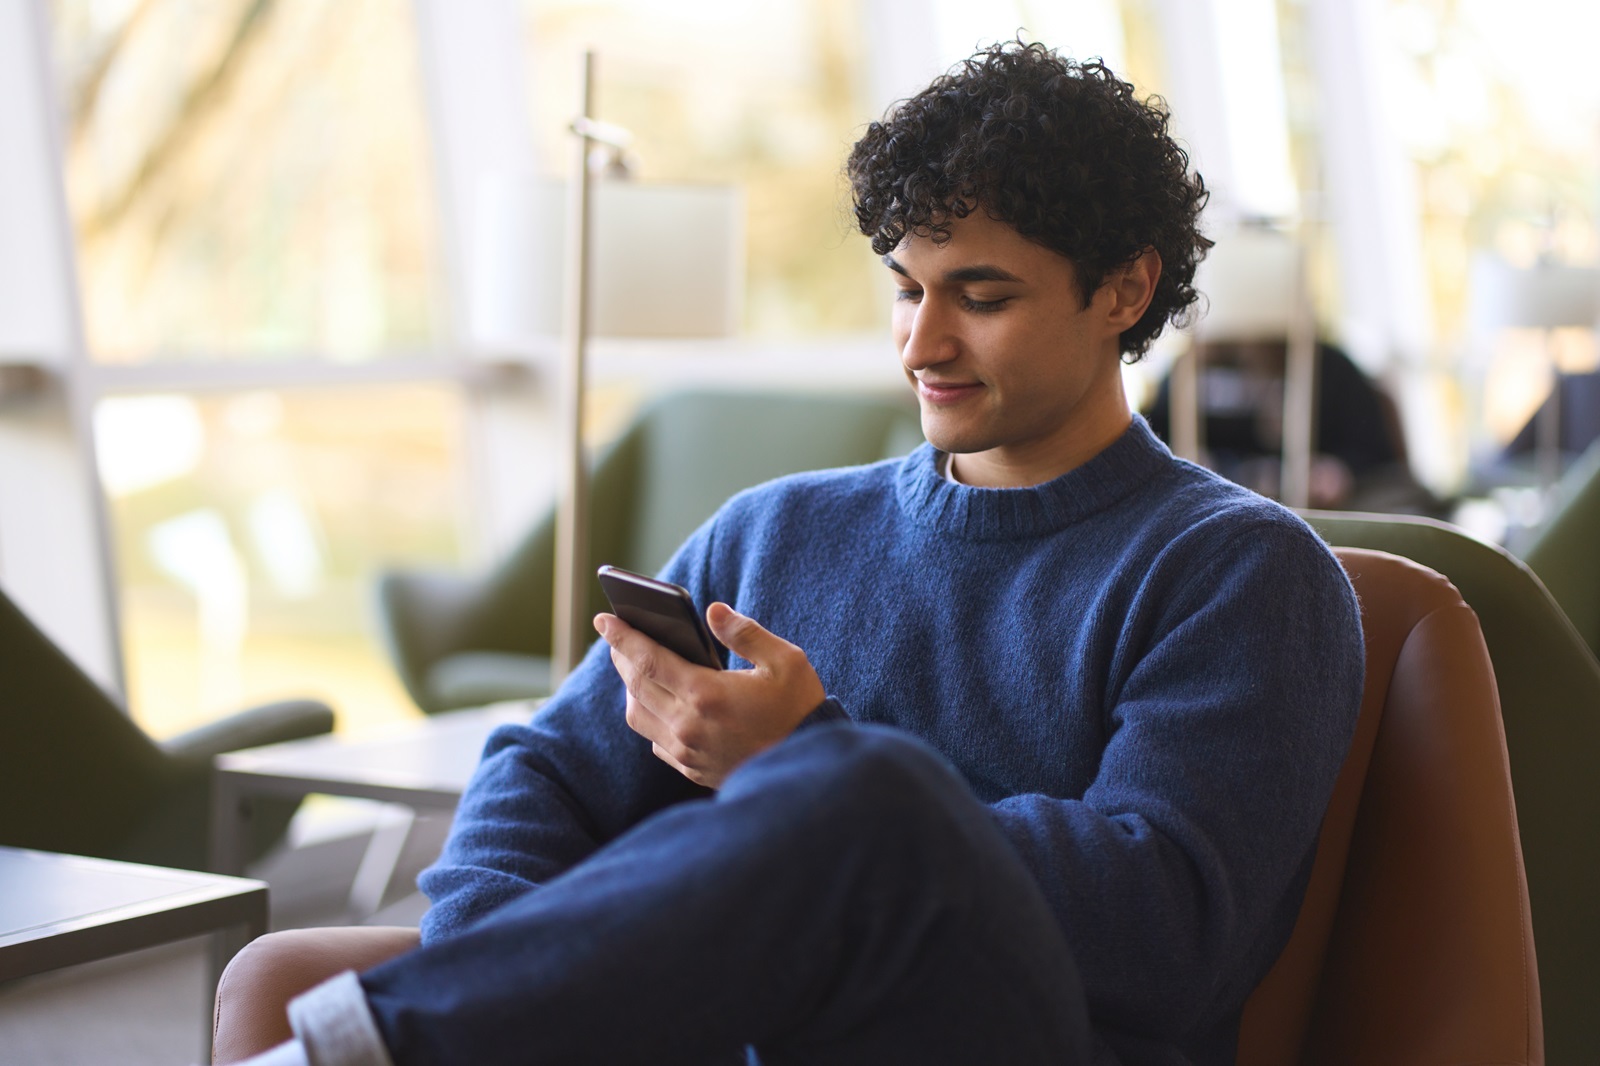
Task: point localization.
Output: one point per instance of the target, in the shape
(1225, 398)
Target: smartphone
(661, 611)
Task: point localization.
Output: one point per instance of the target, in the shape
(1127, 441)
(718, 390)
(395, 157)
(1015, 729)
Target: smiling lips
(943, 392)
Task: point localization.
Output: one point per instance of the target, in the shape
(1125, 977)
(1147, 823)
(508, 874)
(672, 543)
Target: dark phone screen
(661, 611)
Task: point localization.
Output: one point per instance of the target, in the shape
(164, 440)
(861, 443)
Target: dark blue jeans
(843, 899)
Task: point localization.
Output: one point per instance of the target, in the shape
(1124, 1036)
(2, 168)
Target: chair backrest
(1549, 685)
(689, 451)
(1414, 943)
(76, 774)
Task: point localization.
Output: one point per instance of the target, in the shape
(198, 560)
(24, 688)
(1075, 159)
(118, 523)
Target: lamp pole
(1299, 431)
(572, 508)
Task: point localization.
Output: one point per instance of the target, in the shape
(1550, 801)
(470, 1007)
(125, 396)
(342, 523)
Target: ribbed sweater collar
(1130, 463)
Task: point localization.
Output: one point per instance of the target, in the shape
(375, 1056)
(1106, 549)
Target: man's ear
(1132, 287)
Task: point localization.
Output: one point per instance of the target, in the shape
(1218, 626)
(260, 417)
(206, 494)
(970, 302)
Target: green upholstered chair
(1565, 550)
(1549, 684)
(78, 776)
(459, 641)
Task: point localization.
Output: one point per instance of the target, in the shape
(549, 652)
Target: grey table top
(59, 910)
(426, 762)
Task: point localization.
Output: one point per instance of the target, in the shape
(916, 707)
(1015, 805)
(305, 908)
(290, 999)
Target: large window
(1499, 110)
(250, 182)
(248, 177)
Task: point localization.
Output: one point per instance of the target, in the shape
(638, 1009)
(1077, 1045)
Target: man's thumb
(743, 636)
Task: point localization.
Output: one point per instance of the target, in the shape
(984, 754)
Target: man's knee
(859, 779)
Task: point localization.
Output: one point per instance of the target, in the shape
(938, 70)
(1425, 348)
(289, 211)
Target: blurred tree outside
(248, 178)
(1500, 110)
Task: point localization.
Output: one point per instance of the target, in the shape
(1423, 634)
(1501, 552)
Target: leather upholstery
(254, 993)
(1414, 944)
(1549, 684)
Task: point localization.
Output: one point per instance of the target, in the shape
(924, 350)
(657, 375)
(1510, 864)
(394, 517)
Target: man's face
(1014, 375)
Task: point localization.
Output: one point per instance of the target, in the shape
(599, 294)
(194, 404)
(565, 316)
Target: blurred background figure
(1359, 453)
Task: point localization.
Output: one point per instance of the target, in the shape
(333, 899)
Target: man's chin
(952, 443)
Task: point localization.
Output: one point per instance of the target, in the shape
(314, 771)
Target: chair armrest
(270, 723)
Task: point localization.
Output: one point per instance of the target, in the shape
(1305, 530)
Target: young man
(1025, 739)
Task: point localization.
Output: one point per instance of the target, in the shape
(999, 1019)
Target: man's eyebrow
(981, 272)
(978, 272)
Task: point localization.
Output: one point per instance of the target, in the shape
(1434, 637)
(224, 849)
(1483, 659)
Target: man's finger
(642, 720)
(641, 686)
(666, 757)
(647, 658)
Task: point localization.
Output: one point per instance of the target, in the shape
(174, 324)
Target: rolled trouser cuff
(335, 1024)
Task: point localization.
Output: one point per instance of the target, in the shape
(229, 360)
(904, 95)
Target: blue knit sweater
(1150, 674)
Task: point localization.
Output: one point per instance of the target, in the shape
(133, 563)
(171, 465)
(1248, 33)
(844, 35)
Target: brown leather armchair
(1414, 943)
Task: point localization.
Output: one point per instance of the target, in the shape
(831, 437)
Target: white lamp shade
(1249, 282)
(665, 260)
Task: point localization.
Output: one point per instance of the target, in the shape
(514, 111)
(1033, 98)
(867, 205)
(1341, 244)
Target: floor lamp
(640, 260)
(1257, 286)
(572, 503)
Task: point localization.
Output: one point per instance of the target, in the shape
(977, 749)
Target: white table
(423, 765)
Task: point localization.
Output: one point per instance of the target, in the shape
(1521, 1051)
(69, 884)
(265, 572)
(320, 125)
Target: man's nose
(930, 340)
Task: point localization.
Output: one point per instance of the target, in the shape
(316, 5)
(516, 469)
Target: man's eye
(984, 306)
(908, 294)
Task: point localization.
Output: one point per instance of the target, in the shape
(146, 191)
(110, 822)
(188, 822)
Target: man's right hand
(705, 722)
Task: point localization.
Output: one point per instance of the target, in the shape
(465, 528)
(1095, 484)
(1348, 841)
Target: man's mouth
(946, 391)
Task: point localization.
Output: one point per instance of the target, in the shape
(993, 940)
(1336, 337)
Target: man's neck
(1009, 468)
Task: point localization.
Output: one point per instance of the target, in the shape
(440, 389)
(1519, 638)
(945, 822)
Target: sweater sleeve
(548, 794)
(1178, 874)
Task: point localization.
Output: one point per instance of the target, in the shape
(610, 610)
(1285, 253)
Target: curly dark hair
(1058, 149)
